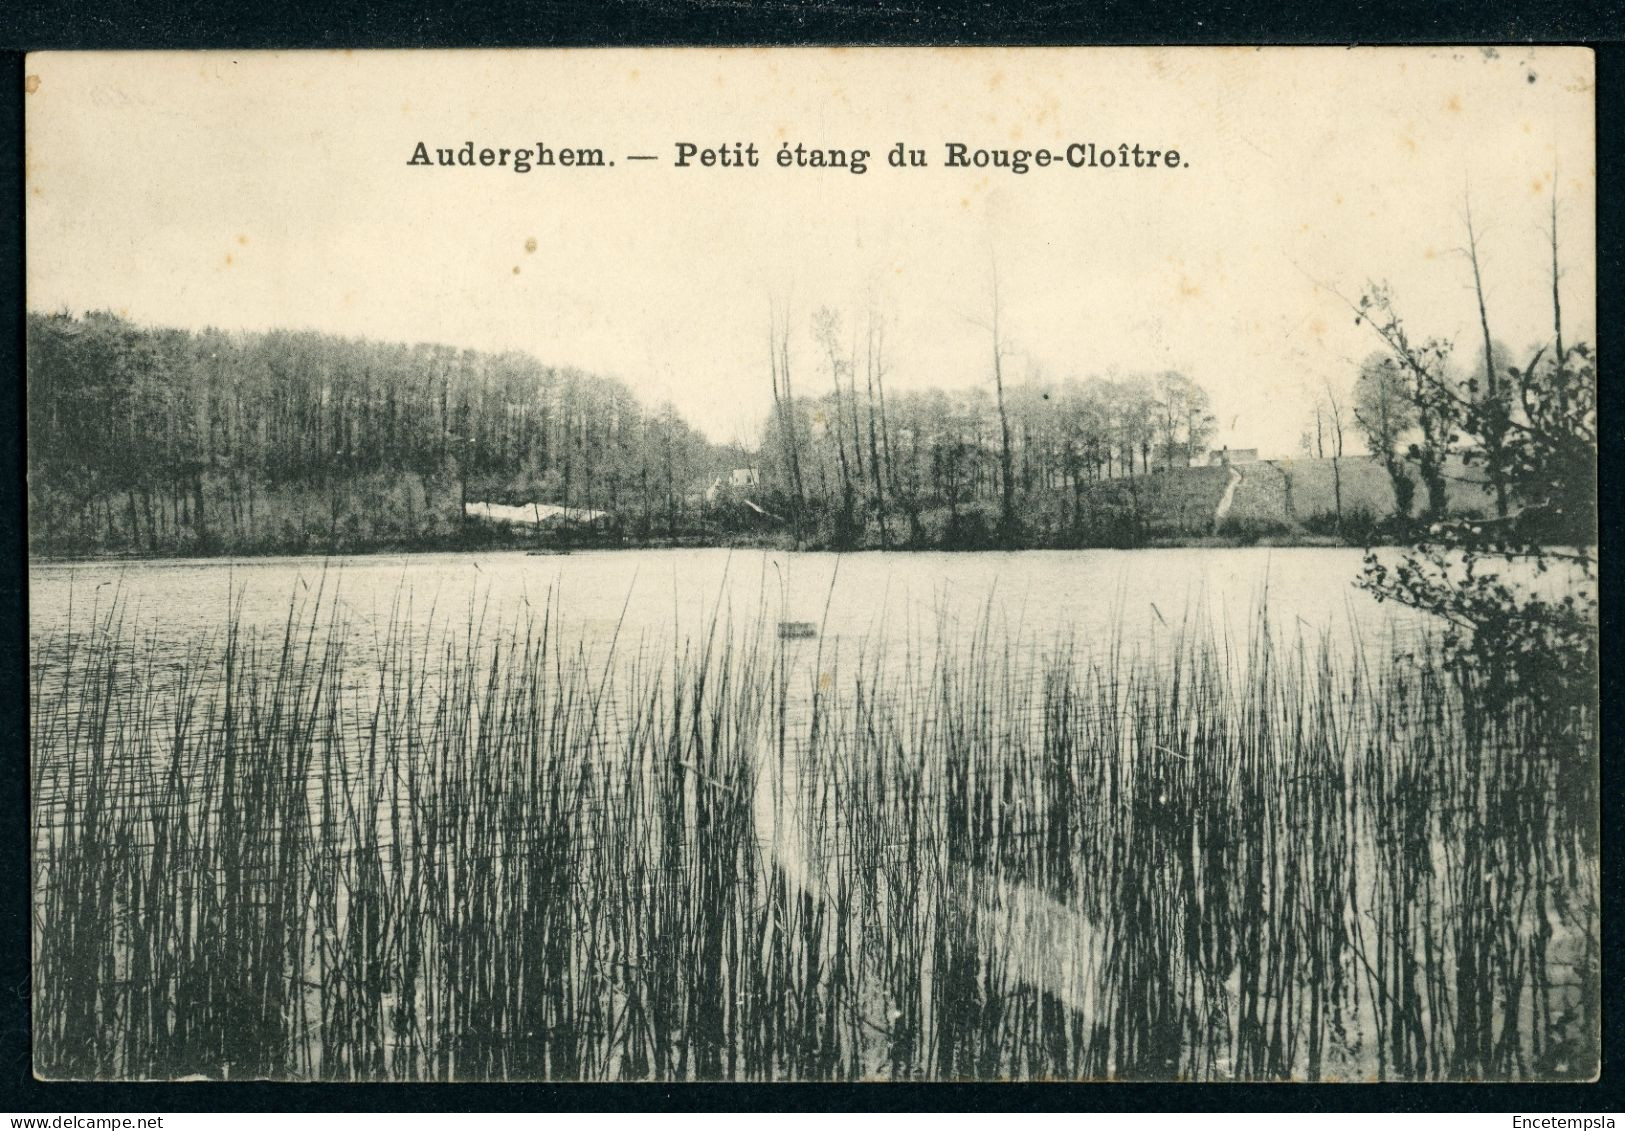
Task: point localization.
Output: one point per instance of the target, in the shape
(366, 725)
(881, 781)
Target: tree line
(160, 440)
(849, 462)
(157, 439)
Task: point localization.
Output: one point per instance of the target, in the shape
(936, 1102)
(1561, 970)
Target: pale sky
(259, 190)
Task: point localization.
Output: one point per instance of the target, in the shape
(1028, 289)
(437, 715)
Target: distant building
(531, 514)
(739, 479)
(1224, 457)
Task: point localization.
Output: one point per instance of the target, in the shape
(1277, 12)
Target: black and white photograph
(813, 564)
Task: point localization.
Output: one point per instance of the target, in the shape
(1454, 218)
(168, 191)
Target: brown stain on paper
(30, 84)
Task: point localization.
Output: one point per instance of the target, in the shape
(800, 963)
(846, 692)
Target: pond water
(648, 599)
(1153, 789)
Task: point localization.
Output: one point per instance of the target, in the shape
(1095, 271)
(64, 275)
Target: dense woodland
(154, 441)
(1040, 462)
(161, 440)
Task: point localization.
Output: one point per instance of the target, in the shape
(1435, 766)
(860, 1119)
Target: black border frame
(245, 24)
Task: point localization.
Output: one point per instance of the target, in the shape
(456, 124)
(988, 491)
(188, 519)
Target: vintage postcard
(803, 564)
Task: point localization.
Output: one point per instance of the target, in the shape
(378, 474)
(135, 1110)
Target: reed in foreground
(493, 859)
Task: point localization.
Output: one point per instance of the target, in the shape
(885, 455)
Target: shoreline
(1210, 542)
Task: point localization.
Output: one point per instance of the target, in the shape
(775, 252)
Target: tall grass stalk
(495, 858)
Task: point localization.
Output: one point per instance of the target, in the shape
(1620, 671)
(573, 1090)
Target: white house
(531, 514)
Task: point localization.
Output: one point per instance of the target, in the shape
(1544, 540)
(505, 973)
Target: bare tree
(1491, 397)
(827, 332)
(874, 365)
(1334, 417)
(778, 355)
(1007, 493)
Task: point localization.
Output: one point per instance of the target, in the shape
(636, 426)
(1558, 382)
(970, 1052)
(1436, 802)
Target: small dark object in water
(544, 553)
(796, 629)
